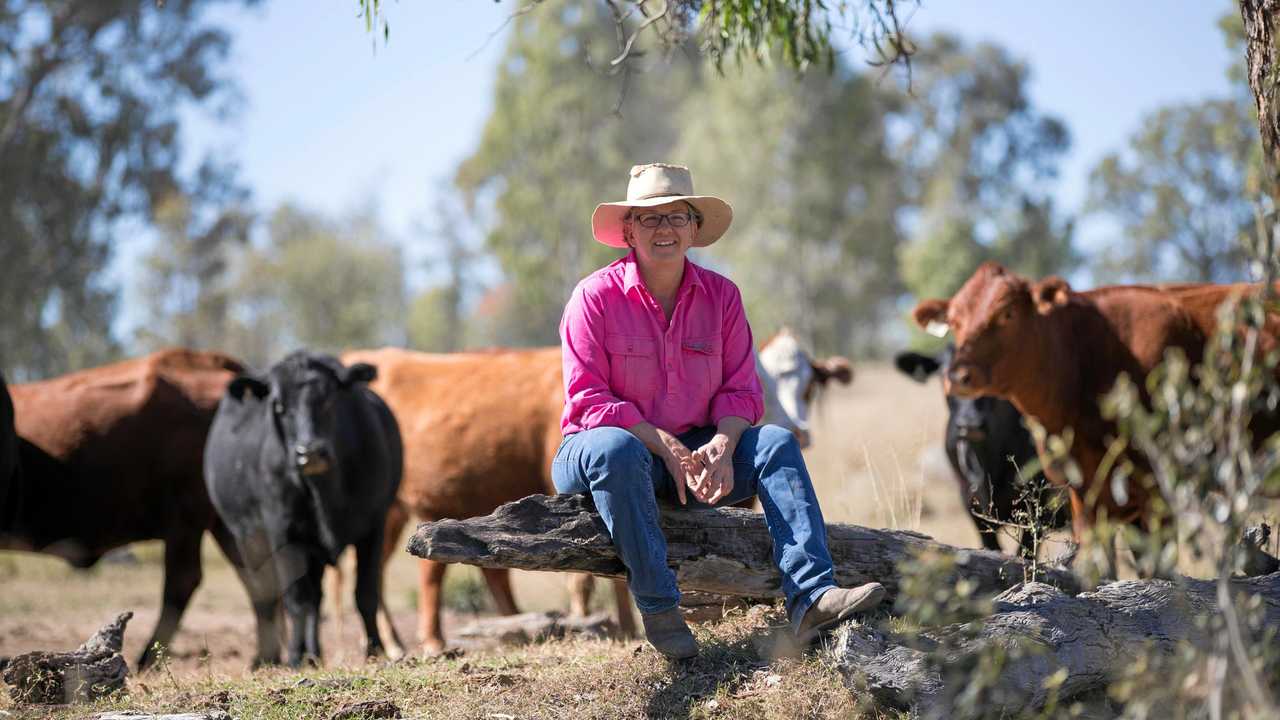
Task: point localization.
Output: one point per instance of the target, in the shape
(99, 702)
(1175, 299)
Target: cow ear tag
(937, 329)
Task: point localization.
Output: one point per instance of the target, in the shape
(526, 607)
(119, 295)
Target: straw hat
(658, 184)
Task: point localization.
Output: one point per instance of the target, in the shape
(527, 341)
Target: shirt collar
(631, 274)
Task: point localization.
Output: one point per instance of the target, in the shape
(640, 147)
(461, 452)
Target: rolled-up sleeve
(740, 393)
(589, 402)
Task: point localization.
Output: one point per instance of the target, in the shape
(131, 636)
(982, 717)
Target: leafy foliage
(550, 146)
(978, 159)
(1181, 193)
(323, 284)
(798, 31)
(814, 191)
(90, 101)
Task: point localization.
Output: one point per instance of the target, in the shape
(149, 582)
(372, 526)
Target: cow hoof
(261, 662)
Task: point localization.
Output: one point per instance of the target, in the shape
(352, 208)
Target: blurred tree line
(852, 192)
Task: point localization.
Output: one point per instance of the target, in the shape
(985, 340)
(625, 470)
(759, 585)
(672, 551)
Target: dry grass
(737, 676)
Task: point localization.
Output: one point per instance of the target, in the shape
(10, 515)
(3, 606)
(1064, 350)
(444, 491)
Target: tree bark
(1260, 54)
(1074, 644)
(96, 669)
(726, 551)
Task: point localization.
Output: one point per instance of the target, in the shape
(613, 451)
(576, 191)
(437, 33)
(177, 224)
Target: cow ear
(833, 368)
(931, 316)
(242, 383)
(1050, 293)
(916, 366)
(360, 372)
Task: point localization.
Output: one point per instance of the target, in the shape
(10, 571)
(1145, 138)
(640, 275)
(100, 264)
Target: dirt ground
(876, 461)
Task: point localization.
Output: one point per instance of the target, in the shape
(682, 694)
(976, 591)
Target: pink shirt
(624, 363)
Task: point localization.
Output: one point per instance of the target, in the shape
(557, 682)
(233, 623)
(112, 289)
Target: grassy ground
(876, 461)
(738, 675)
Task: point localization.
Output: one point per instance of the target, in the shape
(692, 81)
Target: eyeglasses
(675, 219)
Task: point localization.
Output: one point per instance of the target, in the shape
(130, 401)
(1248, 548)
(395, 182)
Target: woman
(661, 392)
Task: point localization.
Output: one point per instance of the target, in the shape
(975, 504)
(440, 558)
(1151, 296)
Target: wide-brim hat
(658, 184)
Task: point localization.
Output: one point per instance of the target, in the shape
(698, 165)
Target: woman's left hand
(715, 482)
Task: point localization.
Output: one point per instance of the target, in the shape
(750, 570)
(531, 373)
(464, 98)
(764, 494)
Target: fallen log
(96, 669)
(1068, 646)
(726, 551)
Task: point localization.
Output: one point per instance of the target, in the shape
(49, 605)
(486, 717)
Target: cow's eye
(1006, 316)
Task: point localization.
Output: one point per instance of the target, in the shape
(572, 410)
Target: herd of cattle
(288, 468)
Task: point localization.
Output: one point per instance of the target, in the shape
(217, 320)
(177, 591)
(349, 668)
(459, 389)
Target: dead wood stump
(94, 670)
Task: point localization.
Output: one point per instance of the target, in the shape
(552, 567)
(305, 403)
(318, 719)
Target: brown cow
(112, 455)
(480, 429)
(1053, 352)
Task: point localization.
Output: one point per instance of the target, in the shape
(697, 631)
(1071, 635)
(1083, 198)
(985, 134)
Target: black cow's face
(973, 418)
(301, 393)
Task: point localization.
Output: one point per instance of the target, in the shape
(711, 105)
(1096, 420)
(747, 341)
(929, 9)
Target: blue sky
(335, 125)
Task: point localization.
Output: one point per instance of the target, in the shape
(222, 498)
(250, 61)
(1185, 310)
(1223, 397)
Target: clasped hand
(707, 471)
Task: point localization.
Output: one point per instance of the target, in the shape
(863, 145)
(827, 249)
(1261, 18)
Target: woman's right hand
(683, 465)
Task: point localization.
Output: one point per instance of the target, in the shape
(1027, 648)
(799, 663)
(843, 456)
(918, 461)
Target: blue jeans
(624, 479)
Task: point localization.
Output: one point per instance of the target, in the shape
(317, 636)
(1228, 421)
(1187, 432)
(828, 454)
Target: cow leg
(262, 595)
(581, 586)
(499, 582)
(369, 589)
(181, 578)
(622, 600)
(430, 583)
(302, 602)
(337, 583)
(397, 518)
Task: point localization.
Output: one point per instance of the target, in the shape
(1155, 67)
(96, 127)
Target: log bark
(1082, 643)
(94, 670)
(726, 551)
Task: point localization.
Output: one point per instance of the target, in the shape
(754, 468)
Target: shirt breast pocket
(702, 359)
(633, 366)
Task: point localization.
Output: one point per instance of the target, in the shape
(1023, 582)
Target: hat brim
(717, 215)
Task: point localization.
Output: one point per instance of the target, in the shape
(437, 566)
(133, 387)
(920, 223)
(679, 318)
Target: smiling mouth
(668, 243)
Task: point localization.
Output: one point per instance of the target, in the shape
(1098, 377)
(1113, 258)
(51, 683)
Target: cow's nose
(311, 458)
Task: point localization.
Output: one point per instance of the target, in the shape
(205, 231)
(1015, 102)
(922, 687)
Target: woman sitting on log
(661, 391)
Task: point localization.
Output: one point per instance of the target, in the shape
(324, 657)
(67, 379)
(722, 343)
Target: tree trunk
(1076, 645)
(1260, 53)
(725, 551)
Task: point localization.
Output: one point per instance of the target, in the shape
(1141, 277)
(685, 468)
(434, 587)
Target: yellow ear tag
(937, 329)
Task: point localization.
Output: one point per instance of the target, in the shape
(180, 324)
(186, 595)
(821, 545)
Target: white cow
(792, 378)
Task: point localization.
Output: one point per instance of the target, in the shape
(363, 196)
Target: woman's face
(665, 243)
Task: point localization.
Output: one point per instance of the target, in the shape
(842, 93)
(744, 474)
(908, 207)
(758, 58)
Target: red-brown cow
(1053, 352)
(112, 455)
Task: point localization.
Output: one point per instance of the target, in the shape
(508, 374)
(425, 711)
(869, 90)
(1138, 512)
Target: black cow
(987, 445)
(300, 463)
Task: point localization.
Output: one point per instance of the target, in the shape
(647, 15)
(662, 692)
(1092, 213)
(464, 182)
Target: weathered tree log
(726, 551)
(94, 670)
(1090, 637)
